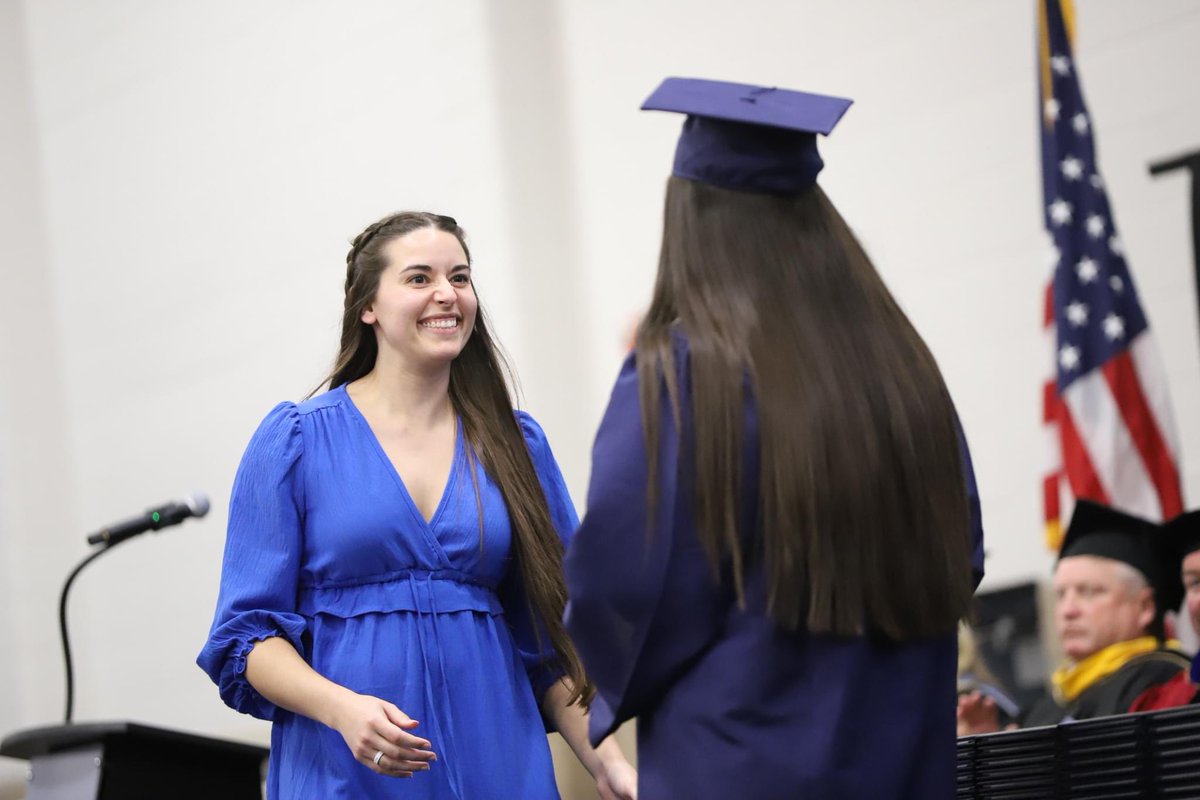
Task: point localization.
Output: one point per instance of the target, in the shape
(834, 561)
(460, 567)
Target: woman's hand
(376, 732)
(371, 726)
(617, 780)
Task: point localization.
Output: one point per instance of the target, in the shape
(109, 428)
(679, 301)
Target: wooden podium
(128, 761)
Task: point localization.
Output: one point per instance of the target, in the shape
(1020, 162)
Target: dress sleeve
(531, 638)
(260, 572)
(562, 510)
(643, 603)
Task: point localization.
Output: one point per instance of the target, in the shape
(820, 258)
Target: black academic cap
(1184, 534)
(1098, 530)
(749, 138)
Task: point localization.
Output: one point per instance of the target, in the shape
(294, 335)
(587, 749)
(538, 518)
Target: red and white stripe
(1111, 436)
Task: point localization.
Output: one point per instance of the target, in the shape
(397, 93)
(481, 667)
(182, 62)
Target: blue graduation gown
(326, 548)
(729, 705)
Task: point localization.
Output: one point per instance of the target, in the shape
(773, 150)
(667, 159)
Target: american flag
(1106, 408)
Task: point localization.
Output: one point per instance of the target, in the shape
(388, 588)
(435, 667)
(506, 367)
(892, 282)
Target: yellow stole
(1072, 680)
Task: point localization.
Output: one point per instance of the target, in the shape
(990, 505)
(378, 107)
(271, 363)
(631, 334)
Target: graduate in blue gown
(392, 589)
(782, 528)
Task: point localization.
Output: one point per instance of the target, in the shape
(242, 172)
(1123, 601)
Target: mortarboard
(749, 138)
(1097, 530)
(1184, 533)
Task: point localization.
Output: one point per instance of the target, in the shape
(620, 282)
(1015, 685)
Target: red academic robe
(1179, 691)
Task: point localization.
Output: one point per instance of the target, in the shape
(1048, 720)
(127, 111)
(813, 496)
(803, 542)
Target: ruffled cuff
(542, 676)
(224, 657)
(602, 722)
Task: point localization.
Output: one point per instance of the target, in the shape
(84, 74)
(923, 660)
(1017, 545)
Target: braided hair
(364, 264)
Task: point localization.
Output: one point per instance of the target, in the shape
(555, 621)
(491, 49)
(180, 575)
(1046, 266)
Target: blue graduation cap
(749, 138)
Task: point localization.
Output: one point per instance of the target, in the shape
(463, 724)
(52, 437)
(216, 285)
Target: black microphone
(194, 505)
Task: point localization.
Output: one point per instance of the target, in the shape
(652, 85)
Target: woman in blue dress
(781, 524)
(392, 589)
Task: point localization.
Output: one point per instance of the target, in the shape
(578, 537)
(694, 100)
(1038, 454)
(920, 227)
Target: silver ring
(378, 757)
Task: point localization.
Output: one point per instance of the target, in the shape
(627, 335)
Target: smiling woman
(392, 592)
(425, 305)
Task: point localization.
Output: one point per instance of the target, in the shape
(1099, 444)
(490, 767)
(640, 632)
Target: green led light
(155, 516)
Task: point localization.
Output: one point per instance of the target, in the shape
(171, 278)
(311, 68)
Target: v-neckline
(391, 467)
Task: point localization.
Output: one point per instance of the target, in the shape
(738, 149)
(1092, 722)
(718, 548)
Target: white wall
(185, 179)
(35, 490)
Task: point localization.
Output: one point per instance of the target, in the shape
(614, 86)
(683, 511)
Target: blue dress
(326, 548)
(728, 704)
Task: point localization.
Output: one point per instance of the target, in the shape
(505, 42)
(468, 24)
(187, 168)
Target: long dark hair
(862, 498)
(479, 392)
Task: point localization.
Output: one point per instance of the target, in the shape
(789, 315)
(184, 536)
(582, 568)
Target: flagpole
(1190, 162)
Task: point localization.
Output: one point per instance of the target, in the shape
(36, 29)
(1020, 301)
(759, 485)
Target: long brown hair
(862, 498)
(479, 392)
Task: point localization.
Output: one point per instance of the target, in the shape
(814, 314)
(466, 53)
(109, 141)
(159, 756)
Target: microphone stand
(62, 624)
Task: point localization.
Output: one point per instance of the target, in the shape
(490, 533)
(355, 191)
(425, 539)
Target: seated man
(1182, 534)
(1112, 591)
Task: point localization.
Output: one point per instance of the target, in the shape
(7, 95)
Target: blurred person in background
(1113, 585)
(978, 689)
(1182, 537)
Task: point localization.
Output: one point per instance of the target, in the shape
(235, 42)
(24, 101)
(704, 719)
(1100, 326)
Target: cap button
(752, 95)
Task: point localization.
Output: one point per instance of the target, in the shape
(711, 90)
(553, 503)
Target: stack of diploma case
(1155, 754)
